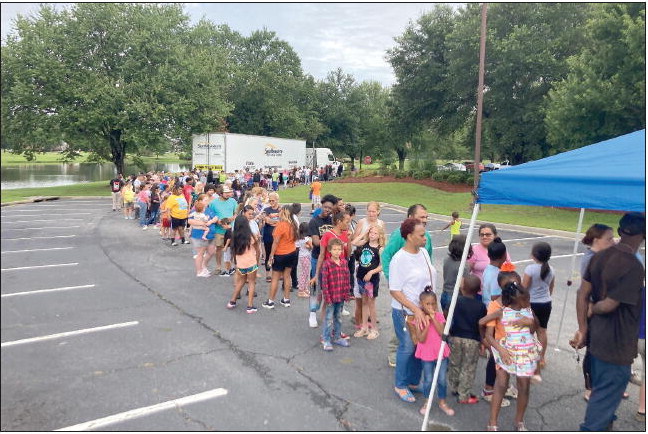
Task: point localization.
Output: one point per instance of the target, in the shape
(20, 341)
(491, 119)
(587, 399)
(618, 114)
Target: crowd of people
(502, 313)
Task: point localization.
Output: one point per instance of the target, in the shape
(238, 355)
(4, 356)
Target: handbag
(409, 319)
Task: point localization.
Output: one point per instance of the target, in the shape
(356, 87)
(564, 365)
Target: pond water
(50, 175)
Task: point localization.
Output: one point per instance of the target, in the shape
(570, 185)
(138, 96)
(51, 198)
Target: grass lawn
(7, 158)
(403, 194)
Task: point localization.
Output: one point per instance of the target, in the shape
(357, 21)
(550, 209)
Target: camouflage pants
(463, 364)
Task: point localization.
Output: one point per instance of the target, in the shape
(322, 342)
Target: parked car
(470, 166)
(496, 166)
(452, 166)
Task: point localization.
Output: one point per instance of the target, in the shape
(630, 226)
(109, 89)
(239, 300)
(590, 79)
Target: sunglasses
(486, 235)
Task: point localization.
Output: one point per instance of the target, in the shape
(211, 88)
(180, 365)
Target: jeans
(315, 299)
(609, 381)
(153, 216)
(408, 367)
(142, 215)
(428, 375)
(446, 299)
(332, 319)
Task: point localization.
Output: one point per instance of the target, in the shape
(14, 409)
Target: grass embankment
(7, 158)
(436, 201)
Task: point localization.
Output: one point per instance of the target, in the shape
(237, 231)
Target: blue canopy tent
(610, 175)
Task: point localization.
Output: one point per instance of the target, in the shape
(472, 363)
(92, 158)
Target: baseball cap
(632, 223)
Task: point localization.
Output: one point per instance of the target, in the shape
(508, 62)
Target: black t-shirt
(318, 226)
(617, 274)
(256, 177)
(155, 201)
(116, 185)
(273, 213)
(465, 322)
(368, 259)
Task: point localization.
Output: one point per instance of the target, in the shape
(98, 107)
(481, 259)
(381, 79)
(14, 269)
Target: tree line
(117, 79)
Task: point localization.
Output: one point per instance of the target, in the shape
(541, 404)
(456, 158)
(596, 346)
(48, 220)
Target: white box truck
(320, 157)
(230, 152)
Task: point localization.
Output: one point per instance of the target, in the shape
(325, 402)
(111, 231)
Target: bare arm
(318, 267)
(604, 306)
(582, 301)
(551, 286)
(420, 317)
(526, 281)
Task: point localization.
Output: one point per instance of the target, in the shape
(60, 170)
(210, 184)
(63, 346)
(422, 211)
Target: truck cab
(320, 157)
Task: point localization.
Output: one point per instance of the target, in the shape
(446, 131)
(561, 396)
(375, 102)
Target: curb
(35, 199)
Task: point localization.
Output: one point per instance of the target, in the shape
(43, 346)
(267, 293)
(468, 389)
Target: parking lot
(105, 327)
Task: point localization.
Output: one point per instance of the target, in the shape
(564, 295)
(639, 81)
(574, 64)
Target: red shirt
(186, 190)
(329, 235)
(336, 283)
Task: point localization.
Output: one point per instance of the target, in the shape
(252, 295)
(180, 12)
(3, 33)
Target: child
(368, 277)
(198, 213)
(165, 230)
(227, 254)
(516, 352)
(538, 280)
(305, 246)
(128, 194)
(428, 350)
(466, 340)
(454, 225)
(335, 289)
(451, 269)
(243, 247)
(497, 256)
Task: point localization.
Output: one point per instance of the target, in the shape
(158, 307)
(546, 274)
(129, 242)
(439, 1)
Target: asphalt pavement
(105, 327)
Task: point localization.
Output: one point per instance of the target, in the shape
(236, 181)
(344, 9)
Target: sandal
(373, 334)
(521, 427)
(361, 332)
(301, 294)
(268, 279)
(405, 395)
(447, 410)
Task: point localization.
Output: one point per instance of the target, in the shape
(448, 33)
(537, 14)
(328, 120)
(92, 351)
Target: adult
(275, 180)
(394, 244)
(317, 227)
(179, 210)
(411, 272)
(282, 256)
(316, 200)
(223, 208)
(598, 237)
(154, 205)
(198, 227)
(143, 201)
(614, 280)
(270, 219)
(479, 260)
(116, 185)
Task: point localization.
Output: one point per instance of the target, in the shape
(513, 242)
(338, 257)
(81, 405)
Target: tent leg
(571, 275)
(446, 330)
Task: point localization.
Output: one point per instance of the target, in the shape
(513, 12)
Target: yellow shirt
(455, 226)
(178, 206)
(129, 194)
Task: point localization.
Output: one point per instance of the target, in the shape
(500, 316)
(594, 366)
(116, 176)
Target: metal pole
(480, 96)
(446, 329)
(571, 275)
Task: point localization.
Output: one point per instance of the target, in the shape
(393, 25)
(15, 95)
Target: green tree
(110, 78)
(604, 94)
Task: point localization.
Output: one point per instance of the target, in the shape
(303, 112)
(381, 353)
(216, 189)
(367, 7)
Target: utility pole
(480, 96)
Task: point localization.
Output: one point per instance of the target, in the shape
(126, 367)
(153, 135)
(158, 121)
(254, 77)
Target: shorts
(368, 289)
(248, 270)
(128, 205)
(219, 240)
(542, 311)
(178, 223)
(199, 242)
(281, 262)
(166, 222)
(316, 200)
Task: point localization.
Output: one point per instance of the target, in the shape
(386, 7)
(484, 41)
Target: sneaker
(232, 271)
(472, 399)
(269, 304)
(186, 242)
(341, 342)
(251, 309)
(174, 243)
(391, 363)
(326, 346)
(203, 273)
(126, 218)
(511, 392)
(312, 320)
(344, 335)
(144, 228)
(231, 304)
(635, 378)
(195, 256)
(285, 302)
(224, 273)
(345, 312)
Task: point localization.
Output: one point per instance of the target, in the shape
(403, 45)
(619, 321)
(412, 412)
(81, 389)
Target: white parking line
(505, 241)
(40, 291)
(144, 411)
(55, 220)
(553, 257)
(66, 334)
(45, 227)
(37, 250)
(71, 264)
(39, 238)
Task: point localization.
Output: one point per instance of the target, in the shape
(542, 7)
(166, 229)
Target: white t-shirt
(539, 289)
(301, 245)
(410, 274)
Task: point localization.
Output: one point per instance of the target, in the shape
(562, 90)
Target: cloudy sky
(351, 36)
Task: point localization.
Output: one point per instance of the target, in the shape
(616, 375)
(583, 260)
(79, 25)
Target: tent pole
(571, 274)
(446, 329)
